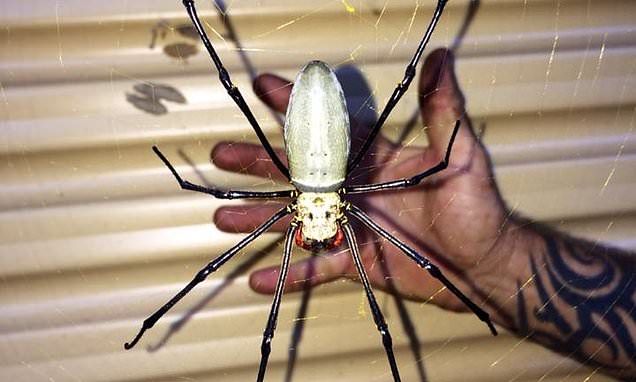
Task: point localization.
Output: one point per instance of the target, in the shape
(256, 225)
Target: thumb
(442, 104)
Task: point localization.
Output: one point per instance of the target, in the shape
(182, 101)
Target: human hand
(456, 218)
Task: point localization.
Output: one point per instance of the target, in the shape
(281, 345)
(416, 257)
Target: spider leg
(268, 334)
(219, 193)
(373, 304)
(232, 90)
(204, 272)
(424, 263)
(408, 182)
(401, 88)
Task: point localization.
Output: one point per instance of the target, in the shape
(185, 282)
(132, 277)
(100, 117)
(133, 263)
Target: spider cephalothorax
(317, 142)
(319, 215)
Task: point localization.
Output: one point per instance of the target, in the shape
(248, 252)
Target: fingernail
(257, 86)
(216, 155)
(265, 83)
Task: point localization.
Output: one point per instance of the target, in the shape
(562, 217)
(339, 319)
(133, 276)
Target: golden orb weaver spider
(317, 142)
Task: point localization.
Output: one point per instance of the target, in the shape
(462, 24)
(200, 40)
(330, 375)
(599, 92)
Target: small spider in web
(317, 143)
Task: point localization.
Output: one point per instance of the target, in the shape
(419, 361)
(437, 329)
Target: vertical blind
(95, 234)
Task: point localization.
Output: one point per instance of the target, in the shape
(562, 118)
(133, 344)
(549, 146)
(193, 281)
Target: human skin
(575, 297)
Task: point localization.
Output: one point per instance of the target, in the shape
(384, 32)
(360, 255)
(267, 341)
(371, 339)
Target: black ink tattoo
(586, 298)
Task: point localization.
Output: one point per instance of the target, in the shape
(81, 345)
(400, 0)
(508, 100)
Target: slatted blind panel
(95, 235)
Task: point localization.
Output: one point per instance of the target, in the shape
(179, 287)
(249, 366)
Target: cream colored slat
(553, 136)
(116, 48)
(369, 367)
(111, 174)
(114, 185)
(21, 319)
(232, 341)
(363, 366)
(150, 280)
(569, 190)
(66, 222)
(128, 126)
(587, 375)
(15, 13)
(560, 135)
(134, 247)
(42, 12)
(616, 230)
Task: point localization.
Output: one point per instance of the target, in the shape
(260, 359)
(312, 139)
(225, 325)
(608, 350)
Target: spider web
(96, 235)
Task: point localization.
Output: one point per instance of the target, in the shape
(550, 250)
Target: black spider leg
(205, 272)
(424, 263)
(401, 88)
(373, 304)
(219, 193)
(412, 181)
(268, 334)
(224, 15)
(232, 90)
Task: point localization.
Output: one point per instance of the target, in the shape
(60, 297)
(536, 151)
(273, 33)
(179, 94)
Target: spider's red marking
(317, 246)
(299, 238)
(337, 240)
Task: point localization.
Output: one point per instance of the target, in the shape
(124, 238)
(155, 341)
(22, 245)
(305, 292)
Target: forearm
(573, 296)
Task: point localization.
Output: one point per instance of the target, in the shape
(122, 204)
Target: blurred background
(95, 234)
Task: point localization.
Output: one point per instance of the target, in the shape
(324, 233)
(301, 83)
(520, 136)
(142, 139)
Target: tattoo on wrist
(583, 303)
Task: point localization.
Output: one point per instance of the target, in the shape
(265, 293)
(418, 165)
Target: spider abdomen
(317, 135)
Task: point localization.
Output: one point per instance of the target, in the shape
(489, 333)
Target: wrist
(510, 271)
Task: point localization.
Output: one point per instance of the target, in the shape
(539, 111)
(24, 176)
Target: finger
(442, 104)
(274, 91)
(246, 218)
(247, 158)
(307, 273)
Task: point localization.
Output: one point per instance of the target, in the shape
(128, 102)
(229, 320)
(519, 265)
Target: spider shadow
(238, 271)
(299, 323)
(405, 318)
